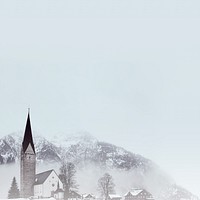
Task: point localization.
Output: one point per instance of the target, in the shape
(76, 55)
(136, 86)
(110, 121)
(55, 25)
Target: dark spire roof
(28, 139)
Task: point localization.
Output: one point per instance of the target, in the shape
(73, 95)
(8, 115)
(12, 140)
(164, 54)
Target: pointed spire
(28, 139)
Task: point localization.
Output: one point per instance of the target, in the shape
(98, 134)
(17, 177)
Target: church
(43, 185)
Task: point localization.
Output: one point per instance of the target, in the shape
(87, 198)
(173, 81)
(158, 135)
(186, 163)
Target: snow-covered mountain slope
(10, 147)
(92, 158)
(79, 150)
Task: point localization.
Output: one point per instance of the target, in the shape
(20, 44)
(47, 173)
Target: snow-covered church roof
(41, 177)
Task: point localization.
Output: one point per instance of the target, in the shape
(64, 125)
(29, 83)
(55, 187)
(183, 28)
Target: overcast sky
(125, 71)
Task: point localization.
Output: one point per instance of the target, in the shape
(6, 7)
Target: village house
(88, 197)
(74, 196)
(138, 194)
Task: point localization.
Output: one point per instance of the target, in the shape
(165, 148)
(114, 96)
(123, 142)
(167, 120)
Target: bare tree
(106, 185)
(67, 176)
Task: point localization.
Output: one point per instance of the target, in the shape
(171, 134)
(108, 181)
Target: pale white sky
(125, 71)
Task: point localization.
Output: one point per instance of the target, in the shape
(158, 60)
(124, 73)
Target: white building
(138, 194)
(48, 184)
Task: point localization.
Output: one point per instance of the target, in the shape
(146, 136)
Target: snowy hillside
(80, 150)
(92, 158)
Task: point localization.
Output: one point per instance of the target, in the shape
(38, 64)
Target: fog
(87, 177)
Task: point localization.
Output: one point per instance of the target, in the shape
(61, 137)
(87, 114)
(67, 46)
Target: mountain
(95, 157)
(79, 150)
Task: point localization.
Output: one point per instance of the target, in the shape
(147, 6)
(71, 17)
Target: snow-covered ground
(29, 199)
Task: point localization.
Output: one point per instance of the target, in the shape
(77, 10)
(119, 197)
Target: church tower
(28, 163)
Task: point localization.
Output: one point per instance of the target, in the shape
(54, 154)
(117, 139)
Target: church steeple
(28, 139)
(28, 163)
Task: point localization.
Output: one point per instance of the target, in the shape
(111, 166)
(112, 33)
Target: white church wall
(38, 190)
(51, 184)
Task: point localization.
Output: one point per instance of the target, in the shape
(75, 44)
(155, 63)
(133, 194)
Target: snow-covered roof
(114, 196)
(74, 194)
(134, 192)
(58, 190)
(88, 196)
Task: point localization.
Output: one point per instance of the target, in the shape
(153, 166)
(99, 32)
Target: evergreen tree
(14, 190)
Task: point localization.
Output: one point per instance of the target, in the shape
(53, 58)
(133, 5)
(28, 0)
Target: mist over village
(99, 100)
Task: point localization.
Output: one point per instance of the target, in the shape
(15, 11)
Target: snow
(134, 192)
(1, 142)
(66, 141)
(15, 199)
(114, 196)
(85, 195)
(51, 198)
